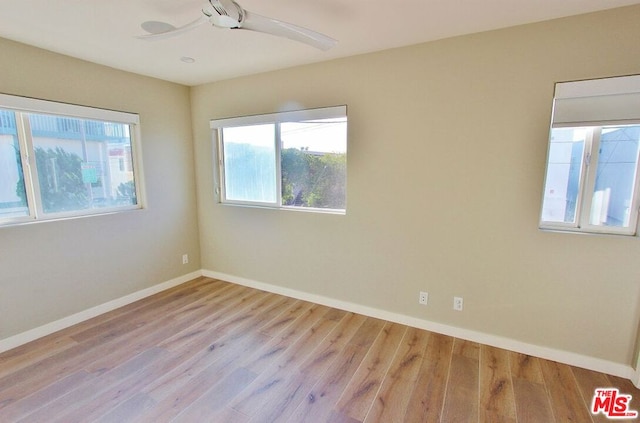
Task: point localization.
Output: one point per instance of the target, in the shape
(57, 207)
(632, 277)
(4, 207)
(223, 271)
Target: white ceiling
(104, 31)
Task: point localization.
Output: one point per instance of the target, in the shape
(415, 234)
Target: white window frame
(217, 125)
(595, 104)
(23, 106)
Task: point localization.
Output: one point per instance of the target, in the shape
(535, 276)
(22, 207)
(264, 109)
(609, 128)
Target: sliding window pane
(564, 172)
(82, 164)
(13, 196)
(249, 156)
(314, 163)
(615, 176)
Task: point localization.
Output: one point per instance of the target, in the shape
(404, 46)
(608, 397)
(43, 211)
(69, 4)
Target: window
(591, 182)
(295, 160)
(59, 160)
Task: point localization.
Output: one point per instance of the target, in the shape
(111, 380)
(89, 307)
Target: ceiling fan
(229, 14)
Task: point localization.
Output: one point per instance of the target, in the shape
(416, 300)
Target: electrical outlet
(423, 298)
(457, 303)
(185, 258)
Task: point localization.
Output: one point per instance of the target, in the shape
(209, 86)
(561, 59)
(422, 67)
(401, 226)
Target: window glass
(564, 168)
(82, 164)
(250, 163)
(314, 163)
(615, 176)
(13, 195)
(602, 163)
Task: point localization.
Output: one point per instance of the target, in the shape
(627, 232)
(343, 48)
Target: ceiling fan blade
(255, 22)
(156, 27)
(167, 30)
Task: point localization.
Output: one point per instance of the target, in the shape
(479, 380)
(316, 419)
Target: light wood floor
(210, 351)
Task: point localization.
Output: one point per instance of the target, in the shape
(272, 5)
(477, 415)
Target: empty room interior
(436, 284)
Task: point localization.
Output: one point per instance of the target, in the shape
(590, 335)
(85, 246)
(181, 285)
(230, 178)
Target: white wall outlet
(457, 303)
(423, 298)
(185, 258)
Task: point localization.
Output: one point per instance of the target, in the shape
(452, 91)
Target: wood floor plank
(331, 346)
(337, 417)
(29, 354)
(28, 405)
(105, 398)
(284, 319)
(466, 349)
(277, 379)
(212, 351)
(214, 300)
(497, 402)
(361, 391)
(428, 394)
(130, 345)
(212, 359)
(530, 395)
(525, 367)
(588, 382)
(179, 391)
(136, 317)
(45, 372)
(462, 395)
(158, 300)
(368, 333)
(96, 353)
(235, 308)
(269, 306)
(227, 415)
(215, 399)
(205, 358)
(532, 402)
(559, 380)
(130, 410)
(393, 397)
(284, 397)
(84, 393)
(262, 358)
(319, 402)
(350, 330)
(233, 338)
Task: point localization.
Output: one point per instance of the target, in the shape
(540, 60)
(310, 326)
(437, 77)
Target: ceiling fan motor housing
(225, 13)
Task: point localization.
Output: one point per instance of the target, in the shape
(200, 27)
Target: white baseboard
(573, 359)
(49, 328)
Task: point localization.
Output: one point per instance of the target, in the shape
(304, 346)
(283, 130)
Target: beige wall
(54, 269)
(447, 145)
